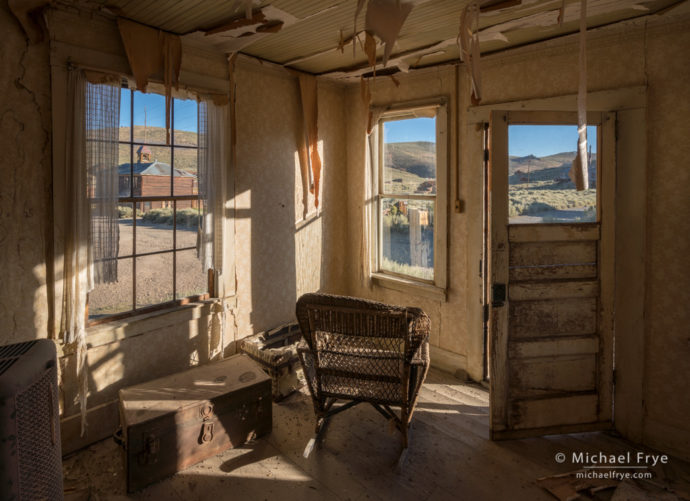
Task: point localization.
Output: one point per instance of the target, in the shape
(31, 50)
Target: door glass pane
(409, 156)
(539, 188)
(407, 237)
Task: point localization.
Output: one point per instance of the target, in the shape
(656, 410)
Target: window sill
(409, 286)
(117, 330)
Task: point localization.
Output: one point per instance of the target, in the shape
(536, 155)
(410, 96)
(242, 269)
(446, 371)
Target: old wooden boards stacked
(553, 348)
(176, 421)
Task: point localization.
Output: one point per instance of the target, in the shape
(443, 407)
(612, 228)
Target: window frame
(133, 201)
(564, 118)
(431, 288)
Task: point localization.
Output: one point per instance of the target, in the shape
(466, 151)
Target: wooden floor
(450, 458)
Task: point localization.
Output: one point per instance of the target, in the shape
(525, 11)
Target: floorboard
(450, 458)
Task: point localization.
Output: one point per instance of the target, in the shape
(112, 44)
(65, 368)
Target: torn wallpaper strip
(468, 38)
(385, 19)
(310, 113)
(151, 51)
(578, 173)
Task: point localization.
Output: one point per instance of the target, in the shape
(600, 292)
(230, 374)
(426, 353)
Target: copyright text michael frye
(634, 464)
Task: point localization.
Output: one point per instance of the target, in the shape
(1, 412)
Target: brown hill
(416, 157)
(185, 158)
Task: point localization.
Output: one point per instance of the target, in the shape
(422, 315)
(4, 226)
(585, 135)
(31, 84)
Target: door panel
(550, 338)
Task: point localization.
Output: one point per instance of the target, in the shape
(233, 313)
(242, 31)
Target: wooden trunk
(174, 422)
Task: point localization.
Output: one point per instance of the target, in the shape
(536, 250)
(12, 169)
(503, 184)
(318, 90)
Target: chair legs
(325, 410)
(320, 427)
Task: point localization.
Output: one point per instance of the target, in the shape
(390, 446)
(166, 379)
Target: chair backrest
(339, 323)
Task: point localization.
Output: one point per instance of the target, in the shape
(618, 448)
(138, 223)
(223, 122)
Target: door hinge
(486, 313)
(614, 377)
(486, 155)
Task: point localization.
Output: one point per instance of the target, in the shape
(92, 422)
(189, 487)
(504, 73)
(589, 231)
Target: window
(159, 209)
(539, 189)
(411, 195)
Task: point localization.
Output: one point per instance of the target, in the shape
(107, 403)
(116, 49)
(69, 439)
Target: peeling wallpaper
(617, 57)
(279, 257)
(668, 232)
(25, 219)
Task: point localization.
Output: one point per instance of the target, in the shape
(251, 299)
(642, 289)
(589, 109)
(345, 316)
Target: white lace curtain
(212, 162)
(91, 234)
(369, 213)
(102, 159)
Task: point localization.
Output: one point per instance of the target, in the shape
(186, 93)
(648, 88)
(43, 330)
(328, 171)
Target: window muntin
(159, 210)
(408, 201)
(539, 189)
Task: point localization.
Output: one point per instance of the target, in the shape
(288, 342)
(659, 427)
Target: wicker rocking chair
(362, 351)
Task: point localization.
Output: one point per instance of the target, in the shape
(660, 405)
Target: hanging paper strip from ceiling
(151, 52)
(310, 112)
(578, 173)
(385, 19)
(468, 39)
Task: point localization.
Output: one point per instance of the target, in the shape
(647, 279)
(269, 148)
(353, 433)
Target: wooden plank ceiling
(307, 34)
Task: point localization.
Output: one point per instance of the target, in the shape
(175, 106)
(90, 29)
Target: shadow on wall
(154, 347)
(267, 117)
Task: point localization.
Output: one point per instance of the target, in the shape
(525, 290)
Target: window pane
(109, 299)
(125, 114)
(408, 237)
(151, 171)
(185, 171)
(125, 215)
(409, 156)
(125, 170)
(154, 279)
(185, 122)
(149, 118)
(191, 279)
(154, 227)
(539, 189)
(187, 223)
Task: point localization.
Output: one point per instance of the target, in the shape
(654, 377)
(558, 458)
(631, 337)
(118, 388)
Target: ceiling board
(314, 37)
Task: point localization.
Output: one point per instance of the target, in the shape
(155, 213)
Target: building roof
(152, 169)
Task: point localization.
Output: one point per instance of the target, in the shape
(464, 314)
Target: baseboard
(666, 438)
(102, 422)
(450, 362)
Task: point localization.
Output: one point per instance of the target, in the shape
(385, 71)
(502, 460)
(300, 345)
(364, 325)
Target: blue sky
(415, 129)
(544, 140)
(154, 104)
(523, 140)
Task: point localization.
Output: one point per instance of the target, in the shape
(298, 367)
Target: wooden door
(550, 316)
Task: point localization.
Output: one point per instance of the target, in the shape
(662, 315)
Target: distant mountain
(552, 168)
(156, 135)
(415, 157)
(534, 163)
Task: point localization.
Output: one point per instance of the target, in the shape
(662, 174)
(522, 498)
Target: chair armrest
(306, 358)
